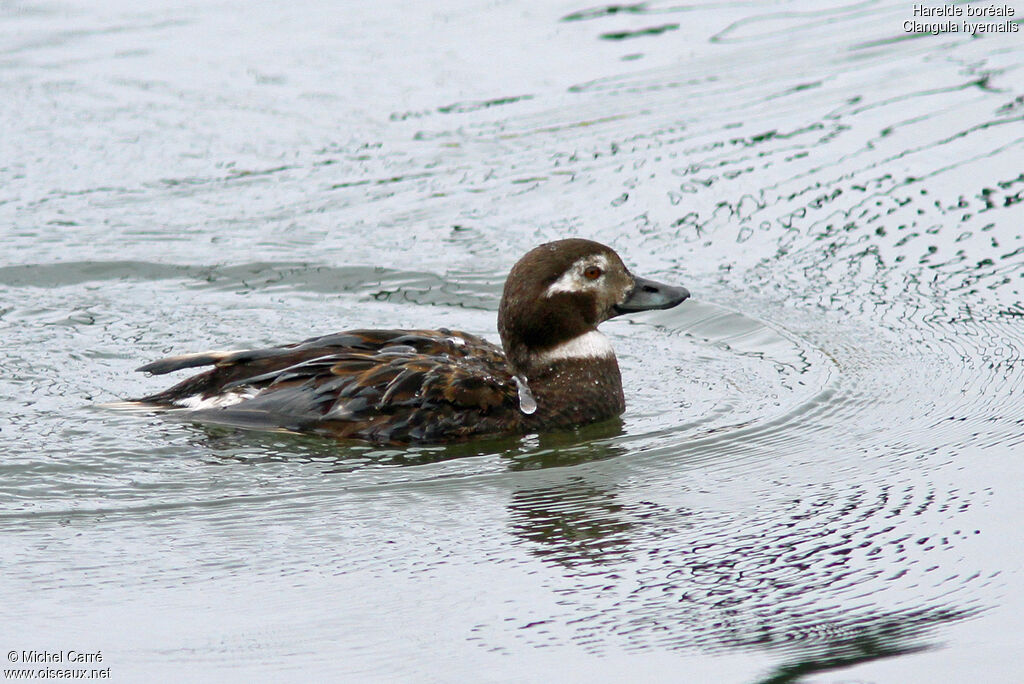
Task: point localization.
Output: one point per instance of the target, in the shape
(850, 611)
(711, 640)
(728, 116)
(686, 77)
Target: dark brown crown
(532, 319)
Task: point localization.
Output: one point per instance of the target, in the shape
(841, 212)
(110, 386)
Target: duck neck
(575, 382)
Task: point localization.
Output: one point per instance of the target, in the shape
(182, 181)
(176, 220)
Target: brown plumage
(440, 385)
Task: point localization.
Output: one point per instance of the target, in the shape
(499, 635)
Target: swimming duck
(553, 371)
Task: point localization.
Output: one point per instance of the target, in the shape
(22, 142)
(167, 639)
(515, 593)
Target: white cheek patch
(573, 279)
(590, 345)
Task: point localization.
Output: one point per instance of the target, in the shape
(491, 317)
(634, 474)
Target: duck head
(559, 292)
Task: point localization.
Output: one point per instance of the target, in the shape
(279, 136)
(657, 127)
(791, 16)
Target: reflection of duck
(556, 370)
(573, 524)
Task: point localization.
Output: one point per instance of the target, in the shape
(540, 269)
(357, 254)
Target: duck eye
(592, 273)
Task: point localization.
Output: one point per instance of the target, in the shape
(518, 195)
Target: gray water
(817, 476)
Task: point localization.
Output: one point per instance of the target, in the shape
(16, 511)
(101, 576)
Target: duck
(553, 371)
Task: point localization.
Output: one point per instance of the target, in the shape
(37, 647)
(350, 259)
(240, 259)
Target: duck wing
(382, 385)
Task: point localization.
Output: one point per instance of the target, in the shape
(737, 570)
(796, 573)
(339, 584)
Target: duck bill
(648, 294)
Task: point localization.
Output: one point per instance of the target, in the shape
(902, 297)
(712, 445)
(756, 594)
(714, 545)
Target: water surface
(815, 479)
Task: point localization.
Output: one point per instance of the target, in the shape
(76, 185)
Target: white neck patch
(573, 279)
(589, 345)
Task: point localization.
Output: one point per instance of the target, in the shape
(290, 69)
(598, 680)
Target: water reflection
(577, 525)
(885, 636)
(517, 453)
(596, 442)
(797, 579)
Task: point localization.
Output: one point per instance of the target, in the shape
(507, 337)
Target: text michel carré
(58, 657)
